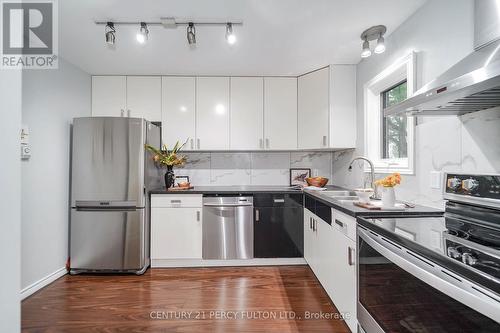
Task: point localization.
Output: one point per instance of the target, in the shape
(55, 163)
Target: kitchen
(339, 168)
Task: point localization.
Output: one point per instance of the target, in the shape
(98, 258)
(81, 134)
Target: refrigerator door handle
(102, 204)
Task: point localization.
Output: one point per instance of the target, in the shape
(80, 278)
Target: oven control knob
(454, 253)
(454, 183)
(469, 259)
(470, 185)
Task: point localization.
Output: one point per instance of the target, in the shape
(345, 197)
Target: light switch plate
(435, 179)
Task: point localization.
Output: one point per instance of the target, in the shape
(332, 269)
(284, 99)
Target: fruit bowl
(317, 181)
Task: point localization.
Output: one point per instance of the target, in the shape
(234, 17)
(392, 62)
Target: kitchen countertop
(347, 208)
(350, 209)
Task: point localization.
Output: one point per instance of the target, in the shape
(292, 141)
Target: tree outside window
(394, 128)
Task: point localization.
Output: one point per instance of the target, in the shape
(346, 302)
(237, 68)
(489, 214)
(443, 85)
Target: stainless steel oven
(434, 274)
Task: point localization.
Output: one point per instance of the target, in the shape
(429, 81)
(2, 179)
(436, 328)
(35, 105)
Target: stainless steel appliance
(473, 84)
(434, 274)
(110, 179)
(227, 227)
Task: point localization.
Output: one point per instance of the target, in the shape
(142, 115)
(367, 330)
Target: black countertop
(347, 208)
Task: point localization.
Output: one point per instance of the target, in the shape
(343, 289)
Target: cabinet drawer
(345, 224)
(176, 200)
(278, 200)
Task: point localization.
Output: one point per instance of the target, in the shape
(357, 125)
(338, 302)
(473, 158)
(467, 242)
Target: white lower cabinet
(330, 251)
(176, 227)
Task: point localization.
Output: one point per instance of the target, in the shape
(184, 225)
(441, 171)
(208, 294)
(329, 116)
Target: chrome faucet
(372, 175)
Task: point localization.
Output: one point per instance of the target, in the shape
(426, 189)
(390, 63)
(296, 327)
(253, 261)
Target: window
(389, 140)
(394, 128)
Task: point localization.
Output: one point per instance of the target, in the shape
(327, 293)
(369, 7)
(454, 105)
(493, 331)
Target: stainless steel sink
(339, 194)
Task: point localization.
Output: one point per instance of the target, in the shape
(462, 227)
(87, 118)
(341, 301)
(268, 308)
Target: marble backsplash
(252, 168)
(468, 144)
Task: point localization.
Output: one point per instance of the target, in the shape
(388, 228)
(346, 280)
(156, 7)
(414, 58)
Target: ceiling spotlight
(373, 33)
(143, 34)
(380, 48)
(230, 36)
(191, 34)
(109, 32)
(365, 53)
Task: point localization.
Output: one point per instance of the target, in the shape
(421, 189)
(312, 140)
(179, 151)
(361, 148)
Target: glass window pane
(395, 144)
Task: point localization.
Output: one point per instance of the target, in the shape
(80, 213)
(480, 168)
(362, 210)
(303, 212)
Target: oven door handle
(447, 282)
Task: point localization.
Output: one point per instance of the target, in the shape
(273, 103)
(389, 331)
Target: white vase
(388, 197)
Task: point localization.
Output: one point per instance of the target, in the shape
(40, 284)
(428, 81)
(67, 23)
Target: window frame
(402, 69)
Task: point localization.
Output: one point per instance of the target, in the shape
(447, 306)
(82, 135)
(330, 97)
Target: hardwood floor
(202, 297)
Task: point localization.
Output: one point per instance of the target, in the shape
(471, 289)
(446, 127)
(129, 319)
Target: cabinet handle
(192, 144)
(257, 215)
(261, 144)
(198, 143)
(339, 223)
(324, 140)
(128, 113)
(122, 112)
(310, 223)
(175, 201)
(279, 200)
(314, 225)
(350, 256)
(198, 216)
(267, 143)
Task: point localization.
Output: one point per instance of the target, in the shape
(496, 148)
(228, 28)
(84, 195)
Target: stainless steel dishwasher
(227, 227)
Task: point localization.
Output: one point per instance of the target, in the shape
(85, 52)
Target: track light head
(380, 48)
(109, 33)
(366, 52)
(191, 33)
(230, 36)
(143, 34)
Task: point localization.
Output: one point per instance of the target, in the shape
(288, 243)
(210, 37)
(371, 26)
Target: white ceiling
(278, 37)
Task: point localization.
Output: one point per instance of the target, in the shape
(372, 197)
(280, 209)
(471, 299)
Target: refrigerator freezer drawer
(107, 240)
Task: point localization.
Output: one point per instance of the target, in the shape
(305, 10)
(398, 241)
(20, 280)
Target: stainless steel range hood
(473, 84)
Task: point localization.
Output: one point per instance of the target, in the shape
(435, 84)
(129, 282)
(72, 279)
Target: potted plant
(388, 183)
(168, 158)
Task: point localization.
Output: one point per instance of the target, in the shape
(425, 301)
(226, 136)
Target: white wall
(51, 99)
(10, 200)
(441, 32)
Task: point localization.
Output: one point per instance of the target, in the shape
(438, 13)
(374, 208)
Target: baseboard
(34, 287)
(159, 263)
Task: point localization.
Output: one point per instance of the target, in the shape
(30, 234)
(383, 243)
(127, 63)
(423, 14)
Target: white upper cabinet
(178, 110)
(109, 96)
(342, 106)
(212, 113)
(327, 108)
(144, 97)
(313, 109)
(247, 113)
(280, 113)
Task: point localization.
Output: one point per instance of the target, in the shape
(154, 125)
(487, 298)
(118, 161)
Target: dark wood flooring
(126, 303)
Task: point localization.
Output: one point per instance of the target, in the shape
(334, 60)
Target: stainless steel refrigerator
(111, 176)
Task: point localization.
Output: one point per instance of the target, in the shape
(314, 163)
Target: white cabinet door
(109, 96)
(212, 113)
(343, 106)
(280, 113)
(343, 283)
(176, 233)
(313, 109)
(247, 113)
(178, 110)
(144, 97)
(308, 238)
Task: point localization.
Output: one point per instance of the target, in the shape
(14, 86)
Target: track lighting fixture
(191, 33)
(109, 33)
(143, 34)
(230, 36)
(374, 33)
(170, 23)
